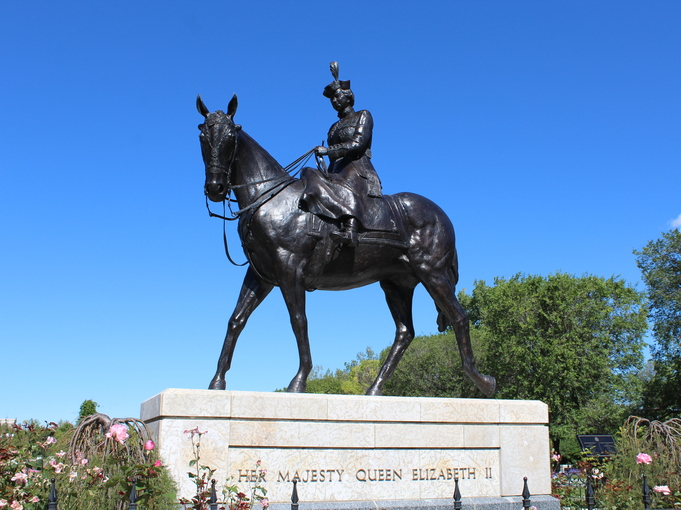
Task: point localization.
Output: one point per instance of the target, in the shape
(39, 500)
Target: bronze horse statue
(291, 248)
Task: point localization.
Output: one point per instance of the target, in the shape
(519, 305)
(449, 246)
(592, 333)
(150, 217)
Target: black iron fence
(584, 490)
(589, 496)
(53, 498)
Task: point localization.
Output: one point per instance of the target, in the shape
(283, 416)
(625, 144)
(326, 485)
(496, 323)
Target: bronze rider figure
(352, 184)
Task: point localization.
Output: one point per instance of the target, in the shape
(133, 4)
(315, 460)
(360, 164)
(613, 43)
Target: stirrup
(347, 236)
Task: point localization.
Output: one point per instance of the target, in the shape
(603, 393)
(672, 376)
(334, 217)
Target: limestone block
(282, 406)
(525, 453)
(419, 435)
(344, 448)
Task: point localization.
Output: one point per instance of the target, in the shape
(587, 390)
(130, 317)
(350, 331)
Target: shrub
(645, 448)
(95, 465)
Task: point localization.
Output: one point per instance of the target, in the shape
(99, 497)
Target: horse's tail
(455, 268)
(442, 321)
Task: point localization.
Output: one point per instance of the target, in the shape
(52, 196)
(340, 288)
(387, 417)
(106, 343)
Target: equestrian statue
(331, 229)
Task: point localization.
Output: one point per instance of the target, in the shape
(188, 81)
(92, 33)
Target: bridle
(227, 171)
(278, 185)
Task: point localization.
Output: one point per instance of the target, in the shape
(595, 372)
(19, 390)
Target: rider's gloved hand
(321, 151)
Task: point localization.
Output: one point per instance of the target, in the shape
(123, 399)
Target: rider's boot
(348, 234)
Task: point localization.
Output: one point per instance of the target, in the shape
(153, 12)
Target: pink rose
(20, 478)
(664, 489)
(149, 445)
(264, 502)
(16, 505)
(157, 463)
(118, 432)
(58, 466)
(3, 502)
(50, 440)
(555, 457)
(643, 458)
(34, 499)
(195, 431)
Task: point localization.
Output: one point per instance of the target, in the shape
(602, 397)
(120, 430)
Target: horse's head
(218, 139)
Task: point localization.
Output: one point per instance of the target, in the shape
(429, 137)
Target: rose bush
(232, 497)
(31, 454)
(643, 448)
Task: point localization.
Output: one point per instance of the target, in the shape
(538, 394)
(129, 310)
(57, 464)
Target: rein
(279, 182)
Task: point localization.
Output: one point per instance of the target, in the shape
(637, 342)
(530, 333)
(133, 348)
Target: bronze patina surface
(333, 230)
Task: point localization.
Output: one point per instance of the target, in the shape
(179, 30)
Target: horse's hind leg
(253, 291)
(442, 289)
(399, 296)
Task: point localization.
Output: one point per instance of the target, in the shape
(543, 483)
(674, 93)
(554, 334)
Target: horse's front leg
(293, 290)
(253, 292)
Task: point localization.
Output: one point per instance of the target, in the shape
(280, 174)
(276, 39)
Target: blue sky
(548, 131)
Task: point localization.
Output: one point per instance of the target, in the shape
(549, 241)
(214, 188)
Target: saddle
(392, 214)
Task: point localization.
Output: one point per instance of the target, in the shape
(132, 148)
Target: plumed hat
(331, 88)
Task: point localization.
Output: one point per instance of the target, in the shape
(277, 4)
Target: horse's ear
(201, 107)
(233, 105)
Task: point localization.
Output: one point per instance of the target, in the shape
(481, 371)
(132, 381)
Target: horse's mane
(257, 153)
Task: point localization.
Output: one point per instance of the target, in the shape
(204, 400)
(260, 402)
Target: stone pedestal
(346, 448)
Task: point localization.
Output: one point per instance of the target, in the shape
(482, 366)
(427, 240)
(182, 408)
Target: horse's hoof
(296, 387)
(217, 384)
(488, 385)
(376, 392)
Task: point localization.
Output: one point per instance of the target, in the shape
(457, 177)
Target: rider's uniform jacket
(349, 142)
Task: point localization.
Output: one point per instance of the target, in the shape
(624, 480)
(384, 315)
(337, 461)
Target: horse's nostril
(220, 188)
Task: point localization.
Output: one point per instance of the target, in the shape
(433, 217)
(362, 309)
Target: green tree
(431, 367)
(574, 343)
(660, 264)
(354, 379)
(87, 408)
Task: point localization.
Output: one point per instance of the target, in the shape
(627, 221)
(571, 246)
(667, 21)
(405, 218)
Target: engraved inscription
(378, 475)
(311, 475)
(463, 473)
(421, 474)
(251, 475)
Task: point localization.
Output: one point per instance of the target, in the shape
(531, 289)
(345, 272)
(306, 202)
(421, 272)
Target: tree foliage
(574, 343)
(431, 367)
(87, 408)
(660, 264)
(354, 379)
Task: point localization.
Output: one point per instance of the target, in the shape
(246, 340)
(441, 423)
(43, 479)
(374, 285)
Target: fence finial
(213, 496)
(457, 495)
(133, 495)
(590, 500)
(52, 500)
(646, 493)
(294, 496)
(526, 494)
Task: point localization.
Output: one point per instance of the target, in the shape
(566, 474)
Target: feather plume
(334, 69)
